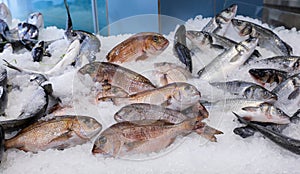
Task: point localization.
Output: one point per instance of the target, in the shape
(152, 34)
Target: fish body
(268, 76)
(115, 75)
(138, 47)
(221, 21)
(39, 51)
(177, 96)
(36, 19)
(246, 89)
(5, 14)
(57, 133)
(109, 91)
(3, 90)
(225, 63)
(2, 141)
(169, 73)
(180, 48)
(267, 38)
(283, 141)
(126, 138)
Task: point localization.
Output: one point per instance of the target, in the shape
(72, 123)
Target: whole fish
(39, 51)
(170, 73)
(115, 75)
(126, 138)
(5, 14)
(36, 19)
(3, 90)
(285, 63)
(268, 76)
(266, 38)
(225, 63)
(56, 133)
(283, 141)
(89, 43)
(2, 141)
(143, 111)
(246, 89)
(138, 47)
(288, 93)
(180, 48)
(177, 96)
(221, 21)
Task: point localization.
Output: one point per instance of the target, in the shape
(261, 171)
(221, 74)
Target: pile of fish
(152, 115)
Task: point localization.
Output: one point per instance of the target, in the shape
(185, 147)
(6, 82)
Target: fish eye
(74, 34)
(102, 140)
(187, 87)
(296, 65)
(155, 38)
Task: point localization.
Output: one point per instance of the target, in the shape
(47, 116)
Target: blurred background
(101, 16)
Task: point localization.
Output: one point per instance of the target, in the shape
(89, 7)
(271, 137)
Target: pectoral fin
(294, 94)
(133, 145)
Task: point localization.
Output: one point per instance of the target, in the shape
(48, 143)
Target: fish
(265, 112)
(169, 73)
(109, 91)
(115, 75)
(268, 76)
(143, 111)
(3, 91)
(39, 51)
(266, 38)
(2, 141)
(28, 34)
(290, 64)
(221, 21)
(288, 143)
(126, 138)
(5, 14)
(288, 93)
(177, 96)
(36, 19)
(138, 47)
(89, 43)
(246, 90)
(180, 48)
(225, 63)
(55, 133)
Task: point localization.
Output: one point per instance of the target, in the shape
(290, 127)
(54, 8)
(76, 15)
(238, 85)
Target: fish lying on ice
(268, 76)
(126, 138)
(138, 47)
(56, 133)
(39, 51)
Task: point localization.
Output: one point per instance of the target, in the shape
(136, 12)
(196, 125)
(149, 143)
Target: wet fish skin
(225, 63)
(267, 38)
(115, 75)
(39, 51)
(177, 96)
(268, 76)
(180, 48)
(5, 14)
(288, 143)
(127, 138)
(58, 133)
(220, 22)
(28, 34)
(3, 91)
(36, 19)
(138, 47)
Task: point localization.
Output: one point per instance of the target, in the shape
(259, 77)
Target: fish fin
(234, 59)
(163, 80)
(63, 137)
(197, 110)
(289, 48)
(244, 132)
(217, 46)
(294, 94)
(241, 119)
(207, 132)
(295, 118)
(200, 72)
(167, 102)
(142, 57)
(133, 145)
(256, 53)
(9, 65)
(250, 108)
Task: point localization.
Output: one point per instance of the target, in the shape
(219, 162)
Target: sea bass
(221, 21)
(225, 63)
(177, 96)
(126, 138)
(115, 75)
(268, 76)
(56, 133)
(138, 47)
(267, 38)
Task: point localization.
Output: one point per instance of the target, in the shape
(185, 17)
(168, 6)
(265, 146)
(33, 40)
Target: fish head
(87, 127)
(244, 28)
(199, 37)
(246, 47)
(107, 145)
(36, 19)
(155, 44)
(296, 65)
(259, 93)
(186, 94)
(90, 70)
(27, 31)
(226, 15)
(259, 75)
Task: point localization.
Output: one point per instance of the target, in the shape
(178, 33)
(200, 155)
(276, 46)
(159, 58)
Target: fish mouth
(97, 150)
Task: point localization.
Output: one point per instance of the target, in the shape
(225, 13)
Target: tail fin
(206, 131)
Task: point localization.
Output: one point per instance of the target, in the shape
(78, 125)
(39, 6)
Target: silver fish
(5, 14)
(267, 38)
(225, 63)
(268, 76)
(221, 21)
(36, 19)
(246, 89)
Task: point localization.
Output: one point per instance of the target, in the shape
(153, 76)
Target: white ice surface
(191, 154)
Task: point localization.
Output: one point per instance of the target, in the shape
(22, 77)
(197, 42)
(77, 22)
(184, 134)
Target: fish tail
(206, 131)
